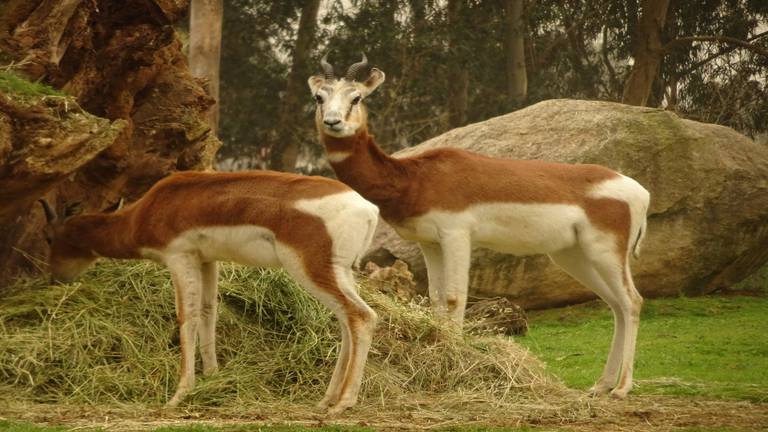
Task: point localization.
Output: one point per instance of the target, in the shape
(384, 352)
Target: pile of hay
(112, 338)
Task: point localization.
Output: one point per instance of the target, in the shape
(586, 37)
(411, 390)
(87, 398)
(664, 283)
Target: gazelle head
(69, 257)
(339, 111)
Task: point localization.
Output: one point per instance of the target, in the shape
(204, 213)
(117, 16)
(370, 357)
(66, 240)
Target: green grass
(714, 347)
(11, 82)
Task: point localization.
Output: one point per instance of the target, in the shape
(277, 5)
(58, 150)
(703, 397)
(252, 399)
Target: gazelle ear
(115, 207)
(315, 82)
(50, 213)
(73, 209)
(374, 80)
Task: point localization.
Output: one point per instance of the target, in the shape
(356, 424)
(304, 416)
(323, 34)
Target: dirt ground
(638, 413)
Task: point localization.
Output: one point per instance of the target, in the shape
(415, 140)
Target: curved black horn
(357, 67)
(50, 215)
(327, 68)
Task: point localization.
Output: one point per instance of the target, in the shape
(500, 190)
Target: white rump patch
(350, 220)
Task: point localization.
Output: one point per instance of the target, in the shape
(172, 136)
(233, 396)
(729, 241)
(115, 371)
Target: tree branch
(722, 51)
(679, 42)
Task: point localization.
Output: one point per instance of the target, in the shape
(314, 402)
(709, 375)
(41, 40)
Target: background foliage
(573, 49)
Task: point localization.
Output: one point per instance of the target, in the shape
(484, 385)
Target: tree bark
(205, 19)
(458, 75)
(647, 52)
(132, 113)
(285, 151)
(514, 47)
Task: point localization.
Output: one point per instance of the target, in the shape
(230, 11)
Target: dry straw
(111, 339)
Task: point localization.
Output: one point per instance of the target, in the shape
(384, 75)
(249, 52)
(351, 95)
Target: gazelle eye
(356, 100)
(319, 99)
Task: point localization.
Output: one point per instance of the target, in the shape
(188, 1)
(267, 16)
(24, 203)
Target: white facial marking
(338, 156)
(338, 105)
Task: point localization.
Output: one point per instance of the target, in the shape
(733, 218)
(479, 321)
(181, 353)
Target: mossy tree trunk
(119, 61)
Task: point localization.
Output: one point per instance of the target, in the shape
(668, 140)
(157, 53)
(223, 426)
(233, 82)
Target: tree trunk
(205, 19)
(514, 48)
(133, 113)
(458, 75)
(647, 51)
(285, 151)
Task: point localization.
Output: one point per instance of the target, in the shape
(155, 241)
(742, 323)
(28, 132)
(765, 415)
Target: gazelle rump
(587, 218)
(315, 228)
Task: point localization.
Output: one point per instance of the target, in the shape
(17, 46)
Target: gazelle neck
(362, 165)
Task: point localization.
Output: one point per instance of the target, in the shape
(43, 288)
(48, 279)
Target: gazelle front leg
(187, 281)
(433, 258)
(456, 251)
(208, 316)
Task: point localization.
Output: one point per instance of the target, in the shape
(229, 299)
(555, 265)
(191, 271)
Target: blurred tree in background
(453, 62)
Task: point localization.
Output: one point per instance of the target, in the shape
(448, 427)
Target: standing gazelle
(587, 218)
(315, 228)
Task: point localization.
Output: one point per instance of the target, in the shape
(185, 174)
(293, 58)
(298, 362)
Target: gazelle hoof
(327, 401)
(598, 390)
(619, 393)
(340, 407)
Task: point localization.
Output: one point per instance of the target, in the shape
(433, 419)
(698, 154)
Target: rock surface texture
(131, 114)
(708, 221)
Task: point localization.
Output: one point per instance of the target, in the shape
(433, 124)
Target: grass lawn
(716, 347)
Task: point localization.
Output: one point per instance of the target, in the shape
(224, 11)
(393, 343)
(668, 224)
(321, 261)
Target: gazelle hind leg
(330, 285)
(631, 305)
(187, 281)
(576, 264)
(333, 392)
(614, 270)
(208, 316)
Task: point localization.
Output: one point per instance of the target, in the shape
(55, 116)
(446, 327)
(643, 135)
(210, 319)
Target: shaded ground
(639, 413)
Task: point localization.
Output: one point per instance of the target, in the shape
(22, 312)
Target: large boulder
(708, 220)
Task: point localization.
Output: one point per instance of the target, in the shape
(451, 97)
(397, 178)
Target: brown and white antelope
(587, 218)
(316, 228)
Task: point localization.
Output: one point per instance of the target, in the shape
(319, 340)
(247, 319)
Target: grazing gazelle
(316, 228)
(587, 218)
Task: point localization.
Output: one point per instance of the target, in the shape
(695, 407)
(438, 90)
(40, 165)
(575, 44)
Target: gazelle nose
(332, 122)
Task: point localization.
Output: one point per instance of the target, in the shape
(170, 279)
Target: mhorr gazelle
(313, 227)
(587, 218)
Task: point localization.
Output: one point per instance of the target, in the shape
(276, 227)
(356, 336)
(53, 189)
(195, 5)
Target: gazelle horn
(327, 68)
(357, 67)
